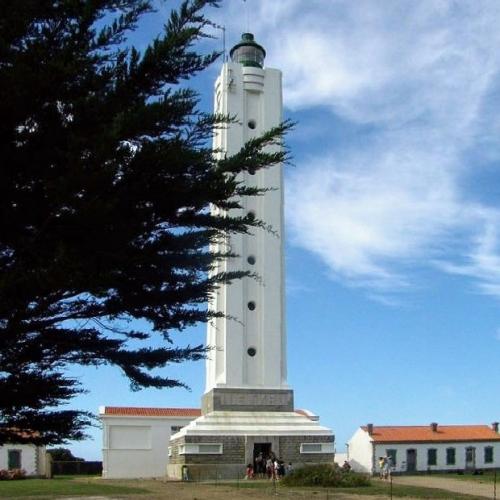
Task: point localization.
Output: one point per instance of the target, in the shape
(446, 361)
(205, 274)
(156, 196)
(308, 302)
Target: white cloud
(364, 212)
(422, 74)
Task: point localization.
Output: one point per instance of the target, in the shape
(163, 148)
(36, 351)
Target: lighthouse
(248, 406)
(251, 339)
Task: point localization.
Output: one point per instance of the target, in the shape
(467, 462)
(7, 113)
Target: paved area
(472, 487)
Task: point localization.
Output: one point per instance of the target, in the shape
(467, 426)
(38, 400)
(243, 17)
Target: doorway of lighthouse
(261, 452)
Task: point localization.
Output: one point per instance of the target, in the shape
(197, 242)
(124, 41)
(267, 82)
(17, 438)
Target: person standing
(381, 465)
(269, 467)
(387, 467)
(259, 465)
(250, 472)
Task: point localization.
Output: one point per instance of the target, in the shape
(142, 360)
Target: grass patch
(63, 485)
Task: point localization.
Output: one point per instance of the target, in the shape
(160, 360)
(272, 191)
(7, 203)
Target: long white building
(425, 448)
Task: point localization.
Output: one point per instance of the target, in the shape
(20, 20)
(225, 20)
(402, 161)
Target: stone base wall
(289, 450)
(247, 400)
(237, 452)
(233, 450)
(207, 472)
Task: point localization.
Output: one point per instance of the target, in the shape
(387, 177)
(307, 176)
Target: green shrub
(325, 475)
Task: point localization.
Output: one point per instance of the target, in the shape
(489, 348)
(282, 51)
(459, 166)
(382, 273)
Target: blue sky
(392, 211)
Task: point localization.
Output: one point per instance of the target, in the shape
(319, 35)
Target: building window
(200, 449)
(169, 451)
(488, 455)
(175, 428)
(316, 448)
(251, 305)
(14, 459)
(251, 260)
(130, 437)
(432, 456)
(392, 455)
(450, 456)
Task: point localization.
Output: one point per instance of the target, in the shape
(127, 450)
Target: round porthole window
(251, 215)
(252, 124)
(251, 171)
(251, 351)
(251, 260)
(251, 305)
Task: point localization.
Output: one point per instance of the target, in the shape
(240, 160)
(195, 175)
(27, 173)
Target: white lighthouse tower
(251, 351)
(247, 407)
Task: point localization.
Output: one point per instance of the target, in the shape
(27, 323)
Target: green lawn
(63, 485)
(88, 486)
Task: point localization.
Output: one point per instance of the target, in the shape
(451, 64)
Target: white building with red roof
(30, 458)
(425, 448)
(135, 440)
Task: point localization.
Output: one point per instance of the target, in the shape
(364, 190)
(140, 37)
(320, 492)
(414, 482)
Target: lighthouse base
(219, 445)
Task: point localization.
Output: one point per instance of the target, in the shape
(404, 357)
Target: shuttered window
(432, 456)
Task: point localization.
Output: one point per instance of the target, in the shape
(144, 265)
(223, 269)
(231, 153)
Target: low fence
(415, 486)
(71, 468)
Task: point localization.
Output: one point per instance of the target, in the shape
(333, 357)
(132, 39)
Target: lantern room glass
(248, 55)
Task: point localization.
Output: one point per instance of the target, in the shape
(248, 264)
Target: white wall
(253, 95)
(136, 447)
(32, 458)
(360, 452)
(381, 450)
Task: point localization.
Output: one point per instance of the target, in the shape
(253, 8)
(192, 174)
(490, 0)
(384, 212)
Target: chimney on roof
(434, 426)
(369, 428)
(494, 426)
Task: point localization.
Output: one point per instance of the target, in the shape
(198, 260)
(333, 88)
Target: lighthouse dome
(248, 52)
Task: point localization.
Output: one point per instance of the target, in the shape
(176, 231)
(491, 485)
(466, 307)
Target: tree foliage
(63, 455)
(106, 180)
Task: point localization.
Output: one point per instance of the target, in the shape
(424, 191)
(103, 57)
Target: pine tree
(106, 182)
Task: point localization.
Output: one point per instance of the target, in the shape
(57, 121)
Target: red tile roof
(21, 433)
(151, 412)
(130, 411)
(424, 433)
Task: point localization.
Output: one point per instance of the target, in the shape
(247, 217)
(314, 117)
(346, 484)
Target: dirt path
(472, 487)
(197, 491)
(160, 490)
